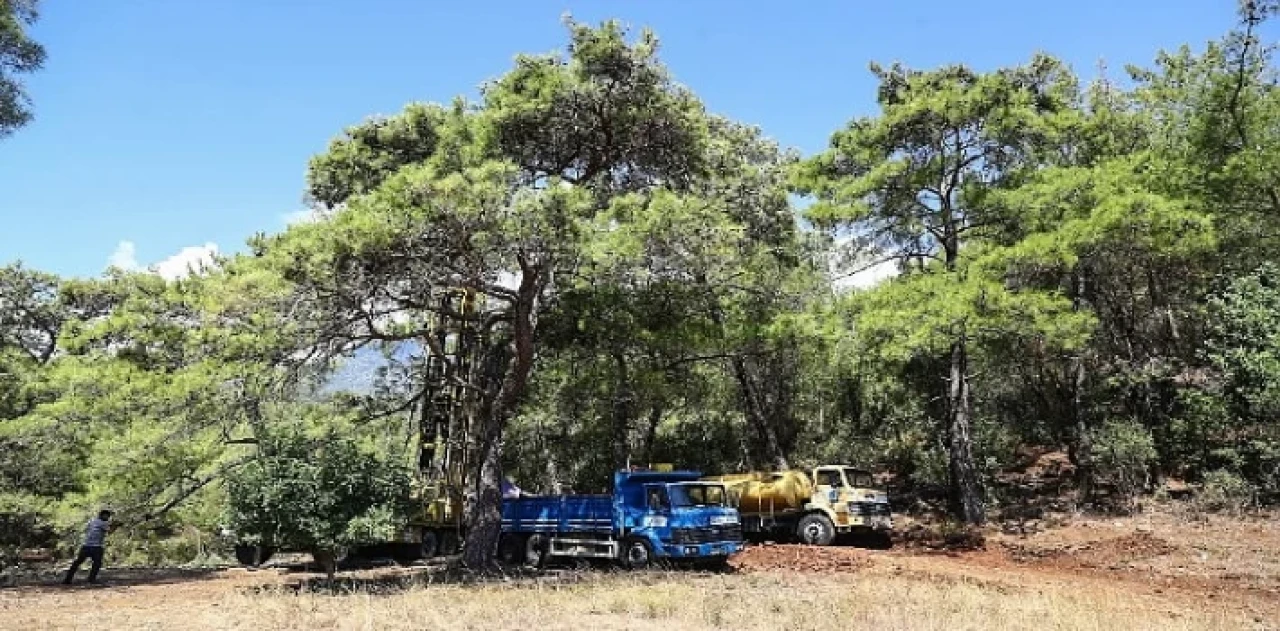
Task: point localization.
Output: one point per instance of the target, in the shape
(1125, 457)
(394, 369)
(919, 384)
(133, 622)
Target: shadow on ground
(385, 583)
(51, 579)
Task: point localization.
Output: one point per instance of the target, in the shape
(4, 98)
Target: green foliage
(606, 116)
(1223, 491)
(317, 492)
(18, 55)
(1244, 341)
(1124, 451)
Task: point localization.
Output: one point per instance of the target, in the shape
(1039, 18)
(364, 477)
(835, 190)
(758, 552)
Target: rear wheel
(253, 556)
(816, 529)
(511, 549)
(637, 554)
(449, 543)
(430, 544)
(536, 548)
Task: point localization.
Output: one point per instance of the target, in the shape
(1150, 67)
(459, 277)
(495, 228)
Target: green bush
(318, 494)
(1123, 451)
(1224, 491)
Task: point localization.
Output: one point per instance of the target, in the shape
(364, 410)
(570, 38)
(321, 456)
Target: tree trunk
(966, 489)
(485, 525)
(1082, 448)
(651, 432)
(623, 404)
(757, 415)
(486, 516)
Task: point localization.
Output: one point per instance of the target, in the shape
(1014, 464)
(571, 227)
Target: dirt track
(1216, 564)
(1157, 566)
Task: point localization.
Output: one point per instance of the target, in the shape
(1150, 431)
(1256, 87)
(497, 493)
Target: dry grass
(1151, 572)
(877, 597)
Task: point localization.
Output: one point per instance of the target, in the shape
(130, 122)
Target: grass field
(1107, 575)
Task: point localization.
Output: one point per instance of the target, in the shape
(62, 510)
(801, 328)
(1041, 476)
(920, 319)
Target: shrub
(318, 495)
(1123, 451)
(1223, 491)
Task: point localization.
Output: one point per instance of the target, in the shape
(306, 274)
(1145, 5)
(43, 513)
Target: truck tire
(253, 556)
(637, 554)
(450, 543)
(511, 549)
(430, 544)
(816, 529)
(536, 548)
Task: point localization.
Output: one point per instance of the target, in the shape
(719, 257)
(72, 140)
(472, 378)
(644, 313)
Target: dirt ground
(1151, 572)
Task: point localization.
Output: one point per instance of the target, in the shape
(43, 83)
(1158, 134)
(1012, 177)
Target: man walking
(95, 538)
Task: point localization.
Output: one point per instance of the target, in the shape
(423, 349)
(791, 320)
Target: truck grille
(707, 535)
(868, 509)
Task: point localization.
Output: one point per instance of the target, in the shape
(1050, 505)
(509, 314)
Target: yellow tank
(765, 492)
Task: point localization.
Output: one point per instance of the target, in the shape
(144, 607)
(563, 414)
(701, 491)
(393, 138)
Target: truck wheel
(430, 544)
(253, 556)
(449, 543)
(511, 549)
(816, 529)
(637, 554)
(535, 550)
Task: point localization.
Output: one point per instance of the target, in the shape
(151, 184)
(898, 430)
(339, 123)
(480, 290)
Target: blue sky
(188, 124)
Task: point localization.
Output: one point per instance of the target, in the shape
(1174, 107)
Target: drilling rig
(446, 417)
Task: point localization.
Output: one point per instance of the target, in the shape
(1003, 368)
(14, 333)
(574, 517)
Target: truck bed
(559, 514)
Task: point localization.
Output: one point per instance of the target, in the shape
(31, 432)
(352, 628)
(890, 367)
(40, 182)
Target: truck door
(657, 506)
(828, 483)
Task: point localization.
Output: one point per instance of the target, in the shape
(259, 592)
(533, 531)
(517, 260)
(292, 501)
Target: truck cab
(682, 520)
(850, 498)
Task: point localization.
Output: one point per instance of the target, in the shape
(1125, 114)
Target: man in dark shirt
(95, 538)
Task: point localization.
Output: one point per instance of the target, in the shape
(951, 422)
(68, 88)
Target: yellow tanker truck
(812, 506)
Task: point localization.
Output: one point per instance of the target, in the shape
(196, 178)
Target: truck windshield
(685, 495)
(859, 478)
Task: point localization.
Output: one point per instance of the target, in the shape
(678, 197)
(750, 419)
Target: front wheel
(816, 529)
(637, 554)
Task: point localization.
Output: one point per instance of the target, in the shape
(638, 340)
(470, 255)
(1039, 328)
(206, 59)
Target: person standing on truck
(95, 539)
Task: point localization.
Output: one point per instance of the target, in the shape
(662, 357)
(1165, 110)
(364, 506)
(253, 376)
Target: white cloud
(845, 256)
(868, 277)
(306, 215)
(125, 257)
(189, 260)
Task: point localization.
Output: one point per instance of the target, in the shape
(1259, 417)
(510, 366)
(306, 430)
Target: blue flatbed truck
(651, 517)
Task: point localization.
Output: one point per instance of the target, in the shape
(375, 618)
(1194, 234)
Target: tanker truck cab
(850, 499)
